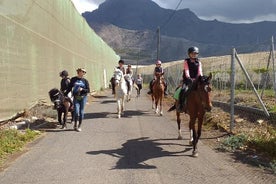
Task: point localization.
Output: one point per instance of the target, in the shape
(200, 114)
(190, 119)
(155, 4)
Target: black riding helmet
(193, 49)
(64, 73)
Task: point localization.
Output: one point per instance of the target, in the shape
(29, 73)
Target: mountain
(142, 17)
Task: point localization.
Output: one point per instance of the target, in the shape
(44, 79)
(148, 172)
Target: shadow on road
(135, 153)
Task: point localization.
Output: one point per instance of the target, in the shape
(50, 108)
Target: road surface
(141, 148)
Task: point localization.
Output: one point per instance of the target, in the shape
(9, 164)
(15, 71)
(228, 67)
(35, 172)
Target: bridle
(204, 86)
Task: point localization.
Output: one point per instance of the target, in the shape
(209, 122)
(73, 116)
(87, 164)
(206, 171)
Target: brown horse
(158, 94)
(198, 102)
(62, 104)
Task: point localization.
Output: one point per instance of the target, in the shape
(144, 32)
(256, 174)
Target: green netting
(40, 38)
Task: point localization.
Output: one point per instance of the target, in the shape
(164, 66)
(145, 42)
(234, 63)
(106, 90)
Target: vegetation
(14, 140)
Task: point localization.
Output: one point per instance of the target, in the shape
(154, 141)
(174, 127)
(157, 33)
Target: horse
(198, 102)
(157, 95)
(62, 104)
(120, 90)
(129, 81)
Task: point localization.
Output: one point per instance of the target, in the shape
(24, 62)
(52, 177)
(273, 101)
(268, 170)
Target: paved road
(138, 148)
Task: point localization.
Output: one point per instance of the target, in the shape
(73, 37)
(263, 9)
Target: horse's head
(118, 76)
(204, 88)
(56, 97)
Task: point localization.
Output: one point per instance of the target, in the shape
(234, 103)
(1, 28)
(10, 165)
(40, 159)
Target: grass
(14, 140)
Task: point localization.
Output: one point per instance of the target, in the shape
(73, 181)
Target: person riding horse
(129, 78)
(127, 71)
(122, 68)
(192, 70)
(158, 70)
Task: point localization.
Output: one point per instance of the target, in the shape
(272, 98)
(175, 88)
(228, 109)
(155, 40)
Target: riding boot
(151, 85)
(76, 122)
(182, 99)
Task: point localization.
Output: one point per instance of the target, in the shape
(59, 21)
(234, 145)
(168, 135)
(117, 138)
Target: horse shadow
(135, 153)
(96, 115)
(131, 113)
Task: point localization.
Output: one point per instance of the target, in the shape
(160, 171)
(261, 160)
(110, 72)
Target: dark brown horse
(198, 102)
(62, 104)
(158, 94)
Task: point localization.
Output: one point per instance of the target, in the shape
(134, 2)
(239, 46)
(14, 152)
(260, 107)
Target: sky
(233, 11)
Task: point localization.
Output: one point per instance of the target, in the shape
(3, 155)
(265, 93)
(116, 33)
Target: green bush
(234, 142)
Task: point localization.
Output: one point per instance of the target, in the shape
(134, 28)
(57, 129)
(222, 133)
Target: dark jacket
(64, 84)
(77, 82)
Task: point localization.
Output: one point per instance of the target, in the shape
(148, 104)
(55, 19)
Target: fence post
(273, 63)
(232, 81)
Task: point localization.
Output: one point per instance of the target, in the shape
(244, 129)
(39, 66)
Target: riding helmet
(193, 49)
(64, 73)
(158, 62)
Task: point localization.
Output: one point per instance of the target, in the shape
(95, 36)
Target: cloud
(223, 10)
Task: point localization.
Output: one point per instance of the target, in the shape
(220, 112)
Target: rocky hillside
(130, 25)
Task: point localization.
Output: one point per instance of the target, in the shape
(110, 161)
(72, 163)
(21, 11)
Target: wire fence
(245, 101)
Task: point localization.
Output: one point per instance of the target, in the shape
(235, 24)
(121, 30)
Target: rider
(129, 79)
(122, 68)
(192, 70)
(139, 83)
(80, 88)
(158, 70)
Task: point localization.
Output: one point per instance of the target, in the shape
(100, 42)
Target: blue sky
(235, 11)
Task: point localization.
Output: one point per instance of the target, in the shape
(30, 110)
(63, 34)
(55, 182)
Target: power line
(169, 19)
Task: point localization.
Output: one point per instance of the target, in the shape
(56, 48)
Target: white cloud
(84, 5)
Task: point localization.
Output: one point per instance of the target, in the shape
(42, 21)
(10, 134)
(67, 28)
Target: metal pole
(158, 43)
(267, 73)
(232, 118)
(252, 85)
(273, 64)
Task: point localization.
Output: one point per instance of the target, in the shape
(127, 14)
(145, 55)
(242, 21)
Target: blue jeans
(79, 108)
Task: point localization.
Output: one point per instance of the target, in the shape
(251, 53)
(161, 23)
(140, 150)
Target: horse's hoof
(161, 113)
(179, 137)
(195, 154)
(119, 116)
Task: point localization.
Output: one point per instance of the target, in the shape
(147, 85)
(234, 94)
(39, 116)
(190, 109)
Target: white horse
(120, 90)
(129, 79)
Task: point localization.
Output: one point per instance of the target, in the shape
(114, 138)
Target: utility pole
(158, 43)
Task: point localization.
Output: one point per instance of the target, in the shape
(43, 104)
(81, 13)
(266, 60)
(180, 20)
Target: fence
(258, 70)
(40, 38)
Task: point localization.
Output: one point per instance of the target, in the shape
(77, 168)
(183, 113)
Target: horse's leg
(123, 105)
(65, 117)
(194, 134)
(119, 107)
(152, 102)
(161, 105)
(156, 105)
(59, 112)
(178, 120)
(198, 133)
